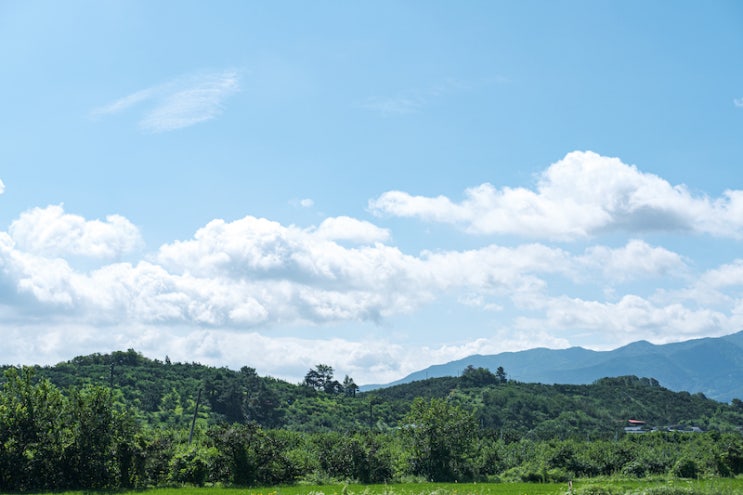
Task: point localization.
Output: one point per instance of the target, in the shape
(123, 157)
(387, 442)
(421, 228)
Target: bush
(600, 490)
(557, 475)
(686, 468)
(670, 490)
(191, 465)
(636, 468)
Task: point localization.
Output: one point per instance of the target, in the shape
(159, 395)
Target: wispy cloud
(397, 105)
(128, 101)
(738, 102)
(2, 187)
(413, 101)
(178, 103)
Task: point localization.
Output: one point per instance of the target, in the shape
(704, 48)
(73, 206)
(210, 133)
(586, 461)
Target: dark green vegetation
(719, 486)
(122, 420)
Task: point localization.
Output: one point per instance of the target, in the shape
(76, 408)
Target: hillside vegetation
(122, 420)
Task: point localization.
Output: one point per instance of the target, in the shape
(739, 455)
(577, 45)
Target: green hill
(122, 420)
(165, 394)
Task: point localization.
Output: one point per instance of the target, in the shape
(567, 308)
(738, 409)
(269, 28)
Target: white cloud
(2, 187)
(727, 275)
(257, 273)
(51, 232)
(179, 103)
(243, 273)
(306, 203)
(629, 319)
(399, 105)
(300, 275)
(720, 288)
(350, 229)
(413, 101)
(367, 360)
(46, 280)
(634, 260)
(582, 195)
(129, 101)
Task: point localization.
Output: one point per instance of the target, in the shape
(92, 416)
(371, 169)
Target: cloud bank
(254, 272)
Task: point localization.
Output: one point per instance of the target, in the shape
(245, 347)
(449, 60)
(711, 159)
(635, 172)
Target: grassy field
(587, 487)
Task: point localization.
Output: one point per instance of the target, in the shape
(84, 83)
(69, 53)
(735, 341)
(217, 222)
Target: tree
(260, 403)
(33, 432)
(349, 387)
(321, 378)
(99, 431)
(478, 377)
(500, 374)
(441, 438)
(48, 440)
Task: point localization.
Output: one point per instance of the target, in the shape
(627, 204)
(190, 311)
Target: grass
(581, 487)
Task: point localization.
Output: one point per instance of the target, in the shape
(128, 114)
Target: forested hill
(165, 394)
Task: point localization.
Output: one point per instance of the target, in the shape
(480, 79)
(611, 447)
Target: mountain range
(712, 366)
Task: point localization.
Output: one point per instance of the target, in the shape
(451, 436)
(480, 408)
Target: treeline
(121, 421)
(87, 440)
(164, 395)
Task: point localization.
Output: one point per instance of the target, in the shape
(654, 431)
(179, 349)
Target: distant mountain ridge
(712, 366)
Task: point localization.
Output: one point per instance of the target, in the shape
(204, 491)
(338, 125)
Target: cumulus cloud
(351, 229)
(51, 232)
(179, 103)
(244, 273)
(634, 260)
(368, 360)
(720, 288)
(727, 275)
(582, 195)
(254, 272)
(630, 318)
(46, 280)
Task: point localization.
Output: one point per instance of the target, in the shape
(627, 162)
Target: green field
(726, 486)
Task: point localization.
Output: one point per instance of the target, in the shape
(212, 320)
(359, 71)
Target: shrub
(686, 468)
(600, 490)
(191, 465)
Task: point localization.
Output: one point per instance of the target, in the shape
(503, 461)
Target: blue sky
(377, 186)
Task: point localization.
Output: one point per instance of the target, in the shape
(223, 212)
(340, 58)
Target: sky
(377, 186)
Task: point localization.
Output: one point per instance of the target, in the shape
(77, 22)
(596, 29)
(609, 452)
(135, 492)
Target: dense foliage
(122, 420)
